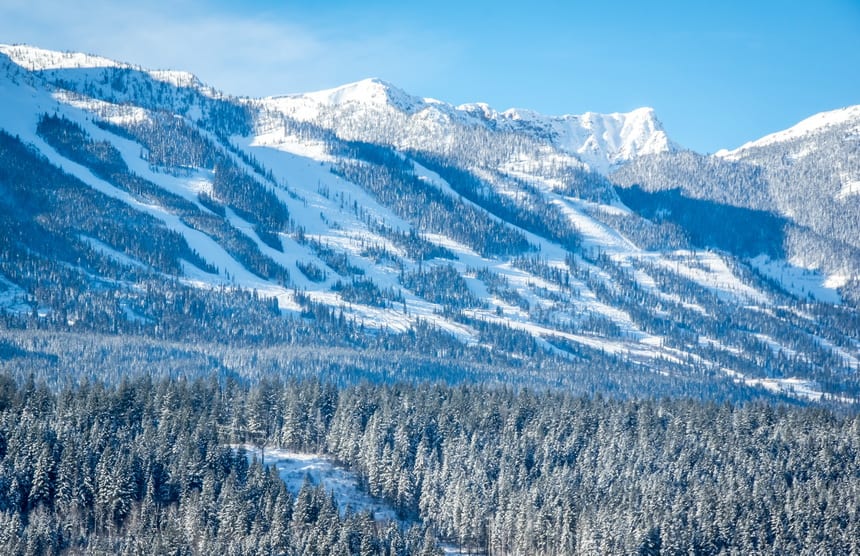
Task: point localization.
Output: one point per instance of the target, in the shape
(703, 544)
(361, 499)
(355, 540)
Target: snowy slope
(602, 294)
(38, 59)
(806, 129)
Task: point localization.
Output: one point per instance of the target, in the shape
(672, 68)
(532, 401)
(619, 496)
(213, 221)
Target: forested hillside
(806, 175)
(146, 465)
(393, 236)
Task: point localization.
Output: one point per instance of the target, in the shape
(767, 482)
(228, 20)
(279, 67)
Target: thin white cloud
(241, 54)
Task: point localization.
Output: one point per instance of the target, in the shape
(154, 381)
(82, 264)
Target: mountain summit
(372, 91)
(602, 141)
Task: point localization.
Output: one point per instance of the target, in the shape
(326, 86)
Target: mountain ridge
(599, 140)
(362, 226)
(35, 58)
(815, 124)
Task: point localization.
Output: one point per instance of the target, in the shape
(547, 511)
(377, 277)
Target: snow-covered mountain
(397, 236)
(825, 144)
(600, 140)
(809, 131)
(808, 174)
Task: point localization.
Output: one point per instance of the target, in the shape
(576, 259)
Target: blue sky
(717, 73)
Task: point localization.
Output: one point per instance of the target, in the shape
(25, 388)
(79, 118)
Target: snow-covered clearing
(295, 468)
(801, 282)
(108, 251)
(850, 186)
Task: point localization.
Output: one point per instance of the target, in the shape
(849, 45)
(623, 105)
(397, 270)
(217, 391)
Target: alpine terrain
(381, 234)
(357, 321)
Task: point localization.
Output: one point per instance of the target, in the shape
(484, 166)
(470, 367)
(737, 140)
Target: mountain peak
(619, 137)
(370, 91)
(600, 140)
